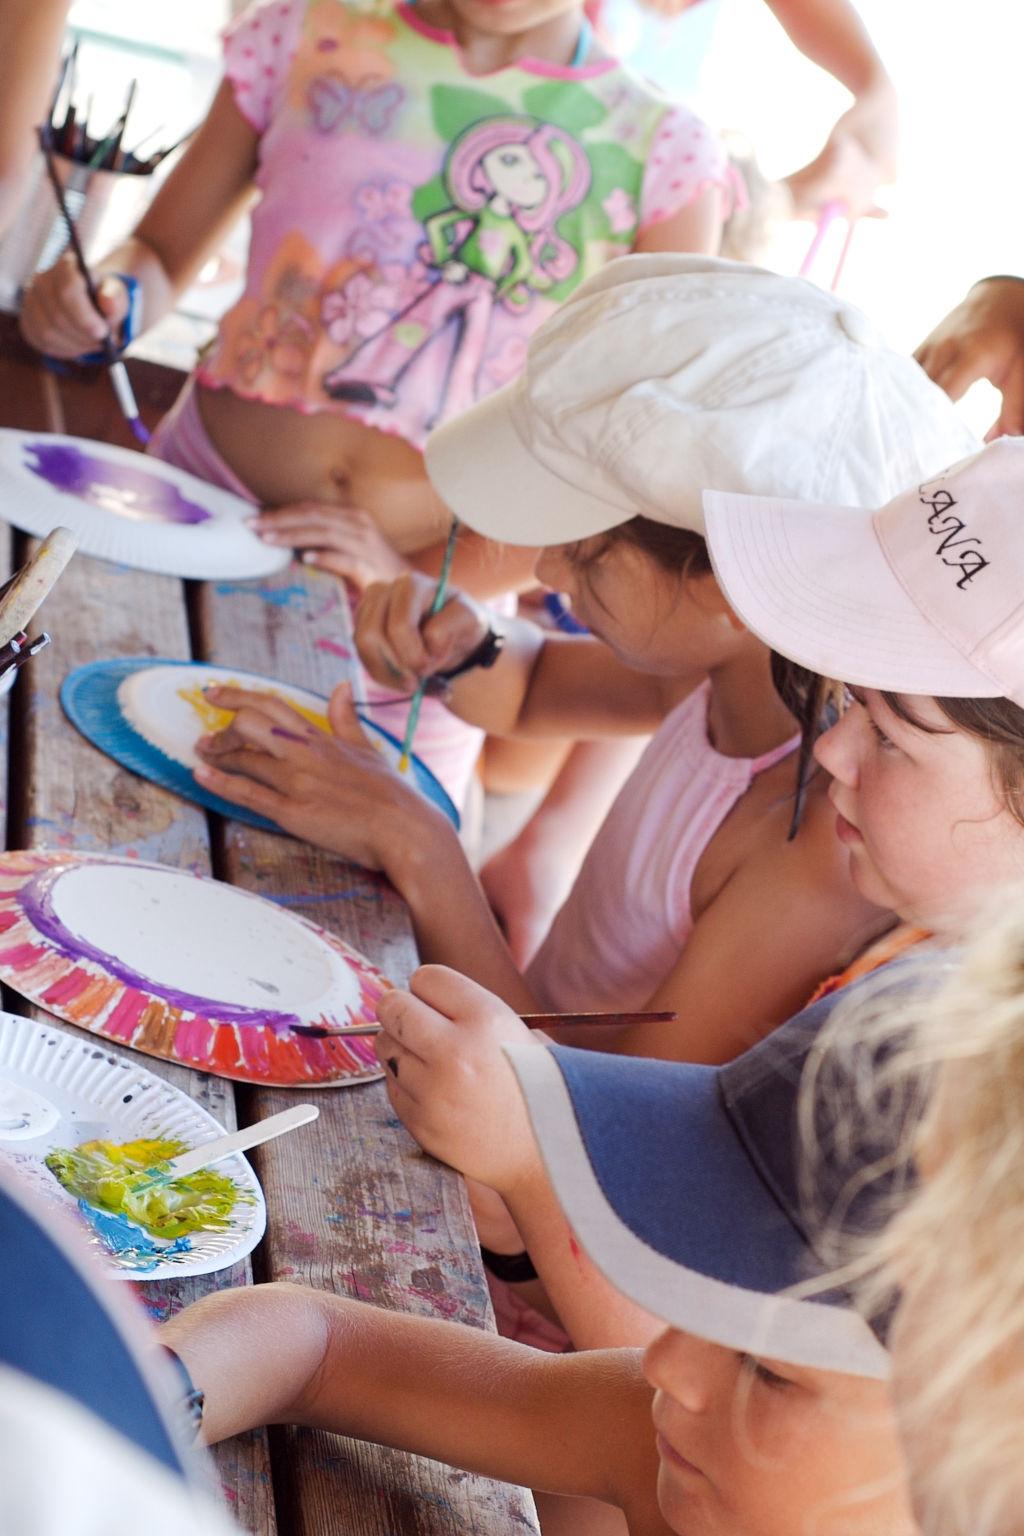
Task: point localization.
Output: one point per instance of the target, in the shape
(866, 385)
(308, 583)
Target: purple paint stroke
(279, 730)
(127, 490)
(36, 900)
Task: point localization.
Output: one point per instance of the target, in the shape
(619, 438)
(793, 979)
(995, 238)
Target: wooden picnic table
(353, 1205)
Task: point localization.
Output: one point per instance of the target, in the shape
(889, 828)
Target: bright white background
(957, 211)
(955, 214)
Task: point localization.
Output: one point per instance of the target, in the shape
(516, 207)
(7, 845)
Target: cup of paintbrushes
(104, 204)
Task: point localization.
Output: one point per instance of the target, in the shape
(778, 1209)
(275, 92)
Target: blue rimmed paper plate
(148, 713)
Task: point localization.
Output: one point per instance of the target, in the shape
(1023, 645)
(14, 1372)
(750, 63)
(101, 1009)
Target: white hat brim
(487, 476)
(814, 584)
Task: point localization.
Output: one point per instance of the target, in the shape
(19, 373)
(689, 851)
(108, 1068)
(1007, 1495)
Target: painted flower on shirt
(621, 211)
(366, 304)
(280, 340)
(386, 226)
(352, 310)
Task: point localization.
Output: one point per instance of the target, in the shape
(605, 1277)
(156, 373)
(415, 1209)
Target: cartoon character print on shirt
(508, 180)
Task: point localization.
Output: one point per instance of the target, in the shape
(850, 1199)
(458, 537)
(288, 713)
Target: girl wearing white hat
(662, 376)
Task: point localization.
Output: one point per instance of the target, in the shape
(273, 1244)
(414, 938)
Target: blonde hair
(940, 1075)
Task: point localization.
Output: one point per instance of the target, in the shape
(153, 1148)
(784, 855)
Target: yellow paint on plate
(213, 718)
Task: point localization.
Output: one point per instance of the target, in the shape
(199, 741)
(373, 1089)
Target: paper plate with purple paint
(186, 968)
(148, 713)
(130, 507)
(82, 1125)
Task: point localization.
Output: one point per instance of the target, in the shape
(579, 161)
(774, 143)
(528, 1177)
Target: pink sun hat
(924, 596)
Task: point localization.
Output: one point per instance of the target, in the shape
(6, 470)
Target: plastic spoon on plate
(226, 1146)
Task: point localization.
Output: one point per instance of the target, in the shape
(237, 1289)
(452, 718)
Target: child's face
(659, 621)
(757, 1448)
(504, 18)
(926, 827)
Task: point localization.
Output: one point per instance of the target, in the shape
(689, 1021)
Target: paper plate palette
(148, 715)
(185, 968)
(58, 1090)
(130, 507)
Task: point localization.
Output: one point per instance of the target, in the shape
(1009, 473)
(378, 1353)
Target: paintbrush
(533, 1020)
(115, 367)
(435, 607)
(29, 587)
(226, 1146)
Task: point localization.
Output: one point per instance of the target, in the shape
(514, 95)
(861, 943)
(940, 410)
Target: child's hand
(57, 317)
(858, 157)
(399, 644)
(335, 791)
(344, 541)
(983, 338)
(450, 1081)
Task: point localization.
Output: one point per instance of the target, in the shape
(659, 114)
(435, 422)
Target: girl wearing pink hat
(920, 608)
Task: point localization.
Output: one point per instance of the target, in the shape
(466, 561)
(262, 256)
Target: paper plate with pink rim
(58, 1091)
(185, 968)
(130, 507)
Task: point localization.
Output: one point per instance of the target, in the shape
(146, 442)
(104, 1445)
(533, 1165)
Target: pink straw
(836, 209)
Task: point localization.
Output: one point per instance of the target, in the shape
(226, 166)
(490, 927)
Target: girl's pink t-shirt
(417, 223)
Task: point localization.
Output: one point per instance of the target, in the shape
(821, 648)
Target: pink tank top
(628, 915)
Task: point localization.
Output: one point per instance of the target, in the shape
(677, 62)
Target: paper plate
(70, 1092)
(130, 507)
(185, 968)
(148, 714)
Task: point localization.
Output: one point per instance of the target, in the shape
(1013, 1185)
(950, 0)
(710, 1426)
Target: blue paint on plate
(89, 698)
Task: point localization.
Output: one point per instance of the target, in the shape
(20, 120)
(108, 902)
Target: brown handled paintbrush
(534, 1020)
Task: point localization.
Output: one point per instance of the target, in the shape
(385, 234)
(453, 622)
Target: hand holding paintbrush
(442, 1045)
(435, 607)
(118, 372)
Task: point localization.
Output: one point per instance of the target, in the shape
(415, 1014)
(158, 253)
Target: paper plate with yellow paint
(148, 714)
(82, 1126)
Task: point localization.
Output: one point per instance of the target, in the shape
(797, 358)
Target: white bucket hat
(664, 376)
(924, 596)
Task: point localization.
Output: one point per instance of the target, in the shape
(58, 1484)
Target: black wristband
(512, 1267)
(485, 655)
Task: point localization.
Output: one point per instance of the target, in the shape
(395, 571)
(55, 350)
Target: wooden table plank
(355, 1207)
(72, 795)
(65, 793)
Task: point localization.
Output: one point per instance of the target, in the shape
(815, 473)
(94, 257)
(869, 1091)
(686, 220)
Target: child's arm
(337, 792)
(983, 338)
(697, 227)
(30, 34)
(187, 220)
(450, 1082)
(860, 152)
(281, 1354)
(543, 684)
